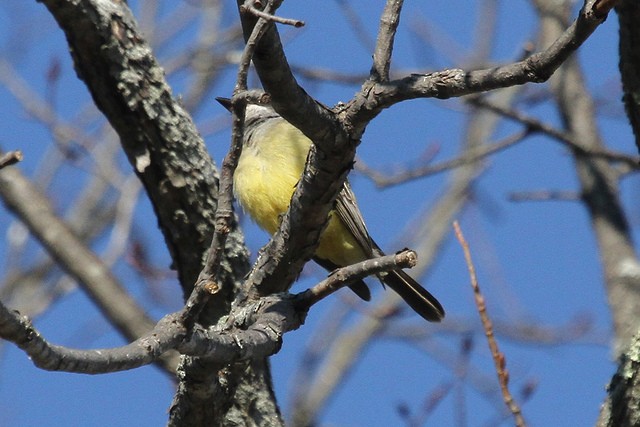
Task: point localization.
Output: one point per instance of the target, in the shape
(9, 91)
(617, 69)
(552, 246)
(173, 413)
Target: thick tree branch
(629, 19)
(255, 330)
(200, 383)
(157, 134)
(143, 351)
(537, 68)
(255, 333)
(621, 408)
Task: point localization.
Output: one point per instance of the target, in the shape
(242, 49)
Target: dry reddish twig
(498, 356)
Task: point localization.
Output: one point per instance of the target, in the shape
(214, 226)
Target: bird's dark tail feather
(418, 298)
(361, 289)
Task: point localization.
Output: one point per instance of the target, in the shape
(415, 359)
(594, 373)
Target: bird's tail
(418, 298)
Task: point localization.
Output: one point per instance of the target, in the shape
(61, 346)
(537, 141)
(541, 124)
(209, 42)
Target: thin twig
(498, 357)
(72, 255)
(356, 25)
(539, 67)
(250, 7)
(10, 158)
(470, 156)
(563, 137)
(206, 284)
(346, 275)
(545, 196)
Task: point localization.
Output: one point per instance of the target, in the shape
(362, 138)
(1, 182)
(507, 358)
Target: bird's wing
(418, 298)
(350, 215)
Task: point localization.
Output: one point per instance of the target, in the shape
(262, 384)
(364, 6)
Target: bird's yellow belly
(338, 245)
(264, 189)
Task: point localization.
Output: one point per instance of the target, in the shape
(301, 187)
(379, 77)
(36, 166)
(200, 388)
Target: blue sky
(537, 262)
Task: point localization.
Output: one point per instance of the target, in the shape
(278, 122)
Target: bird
(271, 163)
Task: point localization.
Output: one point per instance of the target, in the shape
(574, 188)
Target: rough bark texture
(167, 153)
(157, 134)
(622, 406)
(629, 19)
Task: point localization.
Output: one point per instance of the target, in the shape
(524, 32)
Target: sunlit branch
(347, 275)
(10, 158)
(389, 21)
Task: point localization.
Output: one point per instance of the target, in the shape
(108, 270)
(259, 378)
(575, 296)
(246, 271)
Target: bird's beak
(225, 102)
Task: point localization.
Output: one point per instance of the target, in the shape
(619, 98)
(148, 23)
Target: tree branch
(469, 156)
(157, 134)
(565, 138)
(498, 356)
(143, 351)
(599, 187)
(346, 275)
(389, 21)
(628, 17)
(537, 68)
(623, 392)
(10, 158)
(75, 258)
(256, 332)
(249, 6)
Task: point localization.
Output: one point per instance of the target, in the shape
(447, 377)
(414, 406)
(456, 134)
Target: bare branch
(71, 253)
(269, 319)
(145, 350)
(196, 371)
(347, 275)
(545, 196)
(206, 284)
(469, 156)
(10, 158)
(75, 258)
(249, 6)
(632, 162)
(389, 21)
(498, 356)
(628, 11)
(599, 186)
(456, 82)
